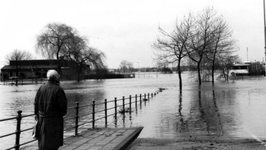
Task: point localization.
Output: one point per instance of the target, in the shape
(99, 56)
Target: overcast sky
(123, 29)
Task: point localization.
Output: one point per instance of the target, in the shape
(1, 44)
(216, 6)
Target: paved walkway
(97, 139)
(102, 139)
(206, 143)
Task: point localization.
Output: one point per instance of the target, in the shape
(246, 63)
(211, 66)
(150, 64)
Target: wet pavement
(205, 143)
(102, 139)
(98, 139)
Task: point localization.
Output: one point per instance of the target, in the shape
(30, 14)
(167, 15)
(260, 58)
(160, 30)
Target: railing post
(145, 96)
(93, 114)
(105, 110)
(18, 131)
(148, 95)
(140, 102)
(123, 100)
(136, 101)
(77, 118)
(115, 108)
(124, 113)
(129, 103)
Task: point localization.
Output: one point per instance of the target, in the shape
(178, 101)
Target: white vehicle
(239, 70)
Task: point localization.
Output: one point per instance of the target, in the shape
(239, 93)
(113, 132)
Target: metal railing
(110, 108)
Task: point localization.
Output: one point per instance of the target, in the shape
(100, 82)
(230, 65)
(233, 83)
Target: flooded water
(230, 110)
(234, 109)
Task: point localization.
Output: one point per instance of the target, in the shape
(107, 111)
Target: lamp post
(264, 35)
(138, 68)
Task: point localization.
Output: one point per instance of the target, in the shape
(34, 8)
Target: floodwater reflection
(227, 109)
(181, 125)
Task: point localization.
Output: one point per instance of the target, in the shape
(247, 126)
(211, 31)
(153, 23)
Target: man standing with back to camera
(50, 106)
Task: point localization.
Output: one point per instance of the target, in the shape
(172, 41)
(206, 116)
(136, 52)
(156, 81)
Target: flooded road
(225, 110)
(234, 109)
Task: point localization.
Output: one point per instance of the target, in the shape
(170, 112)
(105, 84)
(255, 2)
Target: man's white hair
(53, 75)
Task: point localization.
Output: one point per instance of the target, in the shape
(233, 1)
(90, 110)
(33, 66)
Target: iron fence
(110, 108)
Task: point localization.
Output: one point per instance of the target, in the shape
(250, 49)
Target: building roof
(7, 67)
(241, 64)
(35, 64)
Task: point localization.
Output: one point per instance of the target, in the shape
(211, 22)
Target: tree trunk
(16, 77)
(79, 70)
(212, 72)
(180, 102)
(58, 61)
(78, 79)
(199, 76)
(179, 75)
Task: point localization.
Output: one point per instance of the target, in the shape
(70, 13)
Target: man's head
(53, 75)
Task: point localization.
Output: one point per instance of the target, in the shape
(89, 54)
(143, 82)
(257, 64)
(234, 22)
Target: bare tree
(54, 40)
(126, 66)
(222, 46)
(225, 64)
(201, 38)
(173, 47)
(83, 55)
(160, 64)
(204, 39)
(17, 55)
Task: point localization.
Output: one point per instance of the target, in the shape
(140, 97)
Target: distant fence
(108, 108)
(21, 81)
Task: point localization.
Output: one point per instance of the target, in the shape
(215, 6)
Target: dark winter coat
(50, 106)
